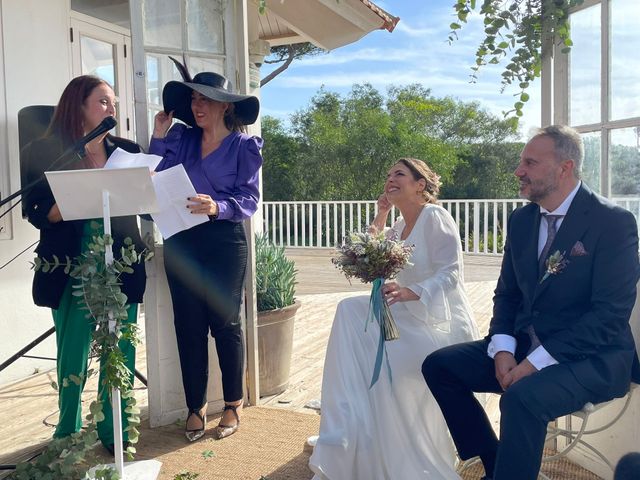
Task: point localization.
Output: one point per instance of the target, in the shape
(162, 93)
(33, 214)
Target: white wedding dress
(395, 431)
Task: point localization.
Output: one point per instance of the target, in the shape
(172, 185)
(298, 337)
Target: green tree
(625, 170)
(284, 55)
(348, 144)
(340, 148)
(485, 172)
(280, 152)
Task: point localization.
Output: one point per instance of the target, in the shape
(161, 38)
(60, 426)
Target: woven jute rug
(561, 469)
(269, 444)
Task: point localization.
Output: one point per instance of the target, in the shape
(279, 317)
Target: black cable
(11, 208)
(31, 458)
(34, 243)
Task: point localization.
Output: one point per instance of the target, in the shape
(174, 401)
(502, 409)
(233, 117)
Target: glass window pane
(625, 62)
(153, 80)
(161, 23)
(624, 162)
(197, 65)
(205, 30)
(160, 69)
(584, 67)
(97, 59)
(591, 162)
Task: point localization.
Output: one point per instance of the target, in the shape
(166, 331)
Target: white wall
(36, 68)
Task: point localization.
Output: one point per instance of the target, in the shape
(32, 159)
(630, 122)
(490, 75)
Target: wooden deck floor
(28, 409)
(320, 289)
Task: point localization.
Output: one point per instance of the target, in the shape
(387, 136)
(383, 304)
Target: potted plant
(277, 307)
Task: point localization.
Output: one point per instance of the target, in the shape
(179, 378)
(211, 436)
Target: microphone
(105, 125)
(63, 160)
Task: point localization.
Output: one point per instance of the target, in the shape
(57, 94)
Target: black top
(64, 238)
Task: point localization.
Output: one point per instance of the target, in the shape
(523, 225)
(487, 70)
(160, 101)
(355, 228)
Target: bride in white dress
(394, 430)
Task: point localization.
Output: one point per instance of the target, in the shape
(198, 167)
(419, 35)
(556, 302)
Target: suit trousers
(73, 340)
(454, 373)
(205, 268)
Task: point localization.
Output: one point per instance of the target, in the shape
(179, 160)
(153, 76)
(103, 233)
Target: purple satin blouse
(229, 174)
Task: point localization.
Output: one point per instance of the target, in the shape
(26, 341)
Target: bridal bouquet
(374, 258)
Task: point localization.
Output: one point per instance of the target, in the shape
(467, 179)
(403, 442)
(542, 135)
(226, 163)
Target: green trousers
(73, 337)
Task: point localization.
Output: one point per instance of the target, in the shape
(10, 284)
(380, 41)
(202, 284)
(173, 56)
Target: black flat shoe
(196, 433)
(112, 449)
(223, 430)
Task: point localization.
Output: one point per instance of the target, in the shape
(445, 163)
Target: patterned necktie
(552, 221)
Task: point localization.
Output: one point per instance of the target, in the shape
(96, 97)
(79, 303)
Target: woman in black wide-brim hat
(206, 264)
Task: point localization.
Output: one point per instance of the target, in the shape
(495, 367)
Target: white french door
(103, 49)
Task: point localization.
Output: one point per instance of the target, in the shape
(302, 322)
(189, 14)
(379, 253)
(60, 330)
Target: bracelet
(213, 217)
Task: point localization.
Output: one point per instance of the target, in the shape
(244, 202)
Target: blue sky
(415, 52)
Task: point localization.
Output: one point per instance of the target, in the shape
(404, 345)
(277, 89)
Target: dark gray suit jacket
(580, 314)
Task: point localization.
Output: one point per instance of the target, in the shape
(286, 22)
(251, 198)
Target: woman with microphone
(84, 105)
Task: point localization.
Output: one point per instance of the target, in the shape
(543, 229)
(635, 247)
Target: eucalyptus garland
(518, 28)
(98, 291)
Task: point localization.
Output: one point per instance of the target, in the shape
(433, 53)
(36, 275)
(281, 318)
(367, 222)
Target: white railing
(482, 223)
(320, 224)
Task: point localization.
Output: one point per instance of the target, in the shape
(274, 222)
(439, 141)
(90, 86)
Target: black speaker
(33, 122)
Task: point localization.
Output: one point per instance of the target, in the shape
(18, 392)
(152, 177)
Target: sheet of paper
(173, 187)
(122, 159)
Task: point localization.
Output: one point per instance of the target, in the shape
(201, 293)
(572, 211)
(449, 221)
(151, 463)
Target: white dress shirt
(539, 357)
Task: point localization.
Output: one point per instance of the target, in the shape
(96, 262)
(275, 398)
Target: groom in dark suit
(559, 336)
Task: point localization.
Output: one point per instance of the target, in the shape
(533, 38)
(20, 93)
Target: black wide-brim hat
(176, 97)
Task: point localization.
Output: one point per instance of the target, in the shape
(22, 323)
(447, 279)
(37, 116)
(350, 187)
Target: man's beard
(539, 190)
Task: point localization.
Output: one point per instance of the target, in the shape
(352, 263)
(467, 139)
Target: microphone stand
(57, 164)
(54, 166)
(78, 148)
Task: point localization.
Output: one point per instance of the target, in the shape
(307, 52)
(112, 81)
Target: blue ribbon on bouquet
(377, 307)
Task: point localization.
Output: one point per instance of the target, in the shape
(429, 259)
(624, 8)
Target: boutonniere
(555, 264)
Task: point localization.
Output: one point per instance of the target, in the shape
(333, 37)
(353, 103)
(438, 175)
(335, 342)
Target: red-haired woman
(84, 104)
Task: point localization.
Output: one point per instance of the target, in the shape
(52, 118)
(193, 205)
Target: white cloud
(421, 32)
(272, 112)
(416, 52)
(362, 55)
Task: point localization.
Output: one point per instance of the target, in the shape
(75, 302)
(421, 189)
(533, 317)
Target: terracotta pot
(275, 341)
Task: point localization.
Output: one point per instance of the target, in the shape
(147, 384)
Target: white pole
(115, 393)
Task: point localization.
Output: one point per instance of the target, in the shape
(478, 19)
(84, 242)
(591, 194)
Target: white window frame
(558, 82)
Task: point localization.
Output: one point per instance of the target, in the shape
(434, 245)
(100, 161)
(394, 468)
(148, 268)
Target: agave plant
(275, 276)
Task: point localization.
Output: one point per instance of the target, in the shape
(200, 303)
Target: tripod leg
(24, 350)
(140, 377)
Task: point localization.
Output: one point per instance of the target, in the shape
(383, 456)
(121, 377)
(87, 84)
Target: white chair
(573, 436)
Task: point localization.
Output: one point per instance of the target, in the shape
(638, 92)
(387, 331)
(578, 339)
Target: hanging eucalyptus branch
(519, 29)
(97, 287)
